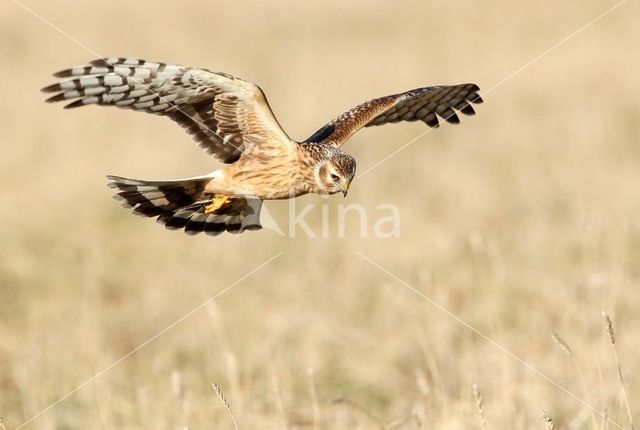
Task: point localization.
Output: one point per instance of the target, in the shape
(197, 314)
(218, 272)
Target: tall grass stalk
(612, 340)
(477, 396)
(564, 346)
(225, 402)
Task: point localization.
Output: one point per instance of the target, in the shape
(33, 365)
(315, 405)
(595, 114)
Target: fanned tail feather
(181, 204)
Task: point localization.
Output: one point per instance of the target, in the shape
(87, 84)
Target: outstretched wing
(225, 115)
(424, 104)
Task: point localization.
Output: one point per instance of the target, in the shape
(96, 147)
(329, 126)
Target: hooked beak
(345, 188)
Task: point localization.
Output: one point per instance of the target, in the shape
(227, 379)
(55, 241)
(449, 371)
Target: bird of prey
(230, 119)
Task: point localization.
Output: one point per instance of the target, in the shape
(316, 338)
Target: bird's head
(335, 172)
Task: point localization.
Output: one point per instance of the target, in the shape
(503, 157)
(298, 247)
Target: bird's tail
(184, 204)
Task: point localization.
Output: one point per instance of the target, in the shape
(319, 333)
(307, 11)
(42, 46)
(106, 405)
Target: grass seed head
(548, 422)
(609, 327)
(561, 343)
(477, 396)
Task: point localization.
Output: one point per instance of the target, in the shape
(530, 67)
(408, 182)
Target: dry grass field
(523, 220)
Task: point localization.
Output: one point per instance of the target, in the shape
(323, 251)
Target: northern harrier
(230, 119)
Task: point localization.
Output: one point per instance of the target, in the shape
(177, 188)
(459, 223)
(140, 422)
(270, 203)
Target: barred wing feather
(424, 104)
(225, 115)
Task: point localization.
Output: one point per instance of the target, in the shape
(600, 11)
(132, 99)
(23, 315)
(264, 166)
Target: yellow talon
(216, 203)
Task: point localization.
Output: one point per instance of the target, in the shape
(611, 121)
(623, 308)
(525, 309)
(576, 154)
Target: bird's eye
(335, 178)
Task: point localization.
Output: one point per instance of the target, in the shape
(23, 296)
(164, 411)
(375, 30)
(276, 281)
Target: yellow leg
(216, 203)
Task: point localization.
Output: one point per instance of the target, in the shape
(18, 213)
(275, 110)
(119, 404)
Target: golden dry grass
(525, 219)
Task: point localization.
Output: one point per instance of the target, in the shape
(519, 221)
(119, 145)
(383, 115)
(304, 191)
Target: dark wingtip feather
(75, 104)
(51, 88)
(452, 119)
(100, 62)
(63, 73)
(468, 110)
(56, 98)
(431, 122)
(474, 98)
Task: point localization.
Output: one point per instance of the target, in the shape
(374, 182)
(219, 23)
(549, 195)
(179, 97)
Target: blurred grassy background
(523, 219)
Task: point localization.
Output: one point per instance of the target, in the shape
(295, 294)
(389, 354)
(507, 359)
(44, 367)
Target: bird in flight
(230, 119)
